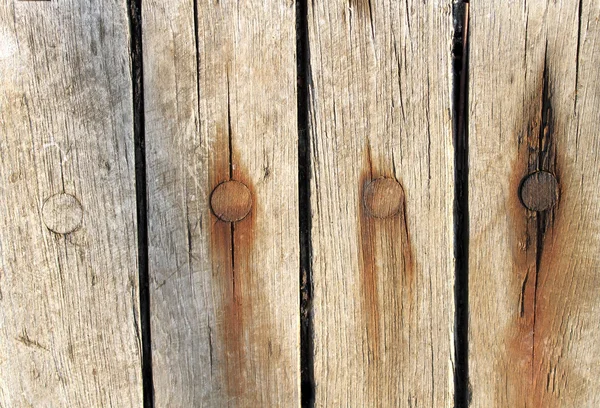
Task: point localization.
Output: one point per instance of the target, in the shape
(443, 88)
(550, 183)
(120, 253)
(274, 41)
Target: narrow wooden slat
(534, 276)
(380, 106)
(69, 313)
(224, 297)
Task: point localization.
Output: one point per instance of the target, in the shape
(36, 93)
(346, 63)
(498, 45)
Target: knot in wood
(231, 201)
(539, 191)
(383, 197)
(62, 213)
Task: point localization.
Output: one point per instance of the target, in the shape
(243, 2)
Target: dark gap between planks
(304, 165)
(460, 66)
(137, 76)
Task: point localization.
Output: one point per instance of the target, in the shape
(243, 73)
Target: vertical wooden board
(380, 106)
(220, 104)
(69, 313)
(534, 276)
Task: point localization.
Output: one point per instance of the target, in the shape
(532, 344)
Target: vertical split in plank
(69, 313)
(380, 106)
(534, 276)
(220, 104)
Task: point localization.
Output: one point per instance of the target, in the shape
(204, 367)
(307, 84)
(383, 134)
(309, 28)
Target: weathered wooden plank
(534, 276)
(69, 318)
(224, 297)
(380, 106)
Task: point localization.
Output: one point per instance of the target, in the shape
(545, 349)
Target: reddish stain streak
(520, 335)
(232, 318)
(524, 241)
(535, 255)
(385, 248)
(231, 249)
(367, 229)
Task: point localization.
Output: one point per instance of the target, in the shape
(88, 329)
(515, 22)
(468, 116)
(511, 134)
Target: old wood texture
(380, 106)
(220, 104)
(534, 105)
(69, 313)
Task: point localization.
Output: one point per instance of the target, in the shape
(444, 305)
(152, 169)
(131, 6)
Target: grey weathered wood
(534, 277)
(380, 106)
(225, 310)
(69, 318)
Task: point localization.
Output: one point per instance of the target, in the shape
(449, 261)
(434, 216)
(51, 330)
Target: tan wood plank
(380, 106)
(534, 276)
(224, 298)
(69, 313)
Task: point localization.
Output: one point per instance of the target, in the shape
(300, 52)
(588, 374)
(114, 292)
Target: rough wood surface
(380, 106)
(220, 104)
(69, 318)
(534, 276)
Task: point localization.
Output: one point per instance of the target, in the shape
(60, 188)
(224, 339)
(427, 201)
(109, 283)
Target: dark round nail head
(539, 191)
(383, 197)
(231, 201)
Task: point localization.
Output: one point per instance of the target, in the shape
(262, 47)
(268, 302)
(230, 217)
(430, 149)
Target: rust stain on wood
(232, 244)
(385, 250)
(537, 238)
(368, 255)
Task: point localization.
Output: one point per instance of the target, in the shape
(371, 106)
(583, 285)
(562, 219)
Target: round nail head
(539, 191)
(383, 197)
(231, 201)
(62, 213)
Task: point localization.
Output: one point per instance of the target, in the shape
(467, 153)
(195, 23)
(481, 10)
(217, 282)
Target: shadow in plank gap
(137, 79)
(460, 51)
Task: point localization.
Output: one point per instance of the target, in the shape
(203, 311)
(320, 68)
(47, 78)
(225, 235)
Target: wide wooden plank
(380, 106)
(534, 275)
(220, 104)
(69, 314)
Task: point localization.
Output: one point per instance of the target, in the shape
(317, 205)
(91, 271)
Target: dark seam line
(460, 52)
(229, 129)
(197, 51)
(135, 28)
(577, 55)
(307, 389)
(540, 215)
